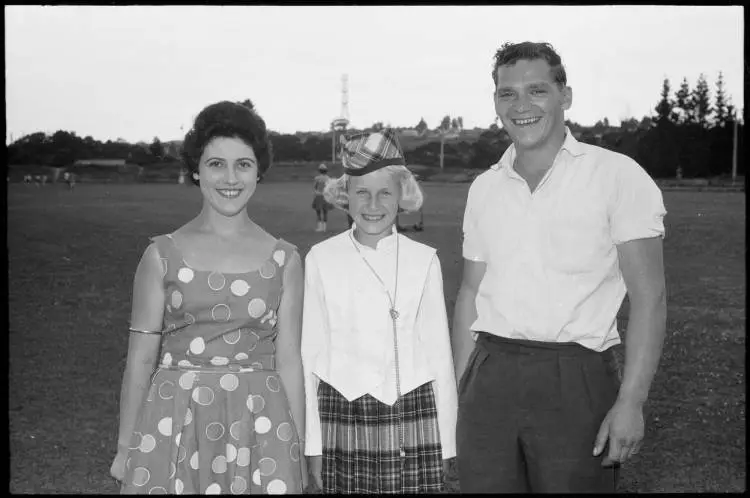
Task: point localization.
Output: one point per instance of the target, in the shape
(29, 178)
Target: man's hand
(624, 428)
(315, 466)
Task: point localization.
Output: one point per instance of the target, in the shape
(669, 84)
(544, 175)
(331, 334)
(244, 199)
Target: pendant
(394, 313)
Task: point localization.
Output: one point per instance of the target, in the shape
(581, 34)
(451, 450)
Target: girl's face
(228, 172)
(373, 202)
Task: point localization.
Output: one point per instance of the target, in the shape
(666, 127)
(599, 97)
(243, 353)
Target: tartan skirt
(361, 443)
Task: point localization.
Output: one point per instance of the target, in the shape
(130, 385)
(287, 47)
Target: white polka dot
(216, 280)
(267, 466)
(262, 425)
(256, 307)
(219, 361)
(268, 270)
(176, 299)
(178, 486)
(256, 477)
(185, 275)
(186, 380)
(257, 364)
(284, 431)
(232, 337)
(169, 308)
(279, 256)
(197, 345)
(235, 430)
(240, 356)
(178, 438)
(229, 382)
(203, 395)
(165, 426)
(181, 454)
(273, 384)
(294, 452)
(214, 431)
(231, 452)
(164, 266)
(194, 461)
(243, 457)
(127, 463)
(219, 465)
(221, 313)
(157, 490)
(213, 489)
(255, 403)
(172, 470)
(188, 416)
(148, 443)
(189, 319)
(167, 360)
(276, 487)
(166, 390)
(239, 485)
(184, 364)
(239, 288)
(141, 476)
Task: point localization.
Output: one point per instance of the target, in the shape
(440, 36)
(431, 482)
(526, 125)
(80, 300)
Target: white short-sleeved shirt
(552, 265)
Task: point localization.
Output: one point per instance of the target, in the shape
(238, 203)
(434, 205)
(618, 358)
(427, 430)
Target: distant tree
(606, 122)
(665, 107)
(377, 126)
(454, 124)
(701, 102)
(720, 105)
(156, 148)
(460, 123)
(445, 124)
(421, 126)
(683, 102)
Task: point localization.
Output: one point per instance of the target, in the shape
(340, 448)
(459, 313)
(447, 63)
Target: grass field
(71, 263)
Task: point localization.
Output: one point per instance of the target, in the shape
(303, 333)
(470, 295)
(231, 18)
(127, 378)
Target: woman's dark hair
(510, 53)
(231, 120)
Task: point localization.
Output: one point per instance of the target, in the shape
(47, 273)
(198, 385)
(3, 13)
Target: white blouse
(347, 332)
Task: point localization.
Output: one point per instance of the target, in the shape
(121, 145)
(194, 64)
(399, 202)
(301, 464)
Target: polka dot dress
(216, 419)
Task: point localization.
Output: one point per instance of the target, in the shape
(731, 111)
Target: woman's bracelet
(145, 331)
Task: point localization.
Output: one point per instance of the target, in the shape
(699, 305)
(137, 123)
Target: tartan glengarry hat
(366, 152)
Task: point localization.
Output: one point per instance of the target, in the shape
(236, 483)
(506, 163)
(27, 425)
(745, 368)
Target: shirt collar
(385, 242)
(570, 144)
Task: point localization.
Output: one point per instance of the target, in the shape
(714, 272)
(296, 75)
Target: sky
(139, 72)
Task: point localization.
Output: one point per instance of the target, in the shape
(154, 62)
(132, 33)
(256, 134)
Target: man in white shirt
(555, 234)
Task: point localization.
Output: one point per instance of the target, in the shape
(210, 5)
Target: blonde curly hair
(412, 197)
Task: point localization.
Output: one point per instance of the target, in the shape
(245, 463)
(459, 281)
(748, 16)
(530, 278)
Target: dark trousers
(528, 415)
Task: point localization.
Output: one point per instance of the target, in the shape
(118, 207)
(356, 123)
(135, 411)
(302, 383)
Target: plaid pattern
(365, 152)
(361, 443)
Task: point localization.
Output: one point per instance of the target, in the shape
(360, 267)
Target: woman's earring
(196, 176)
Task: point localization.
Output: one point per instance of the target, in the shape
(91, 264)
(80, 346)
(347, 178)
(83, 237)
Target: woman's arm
(288, 356)
(147, 315)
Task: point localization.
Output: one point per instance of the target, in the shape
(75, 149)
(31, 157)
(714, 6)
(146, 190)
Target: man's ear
(567, 95)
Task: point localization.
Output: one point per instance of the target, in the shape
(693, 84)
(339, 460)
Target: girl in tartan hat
(379, 381)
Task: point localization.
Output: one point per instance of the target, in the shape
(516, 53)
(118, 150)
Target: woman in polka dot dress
(212, 398)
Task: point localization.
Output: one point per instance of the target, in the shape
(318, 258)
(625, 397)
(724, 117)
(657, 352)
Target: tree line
(690, 134)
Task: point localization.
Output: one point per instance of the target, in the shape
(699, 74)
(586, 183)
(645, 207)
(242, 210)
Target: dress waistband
(261, 363)
(492, 342)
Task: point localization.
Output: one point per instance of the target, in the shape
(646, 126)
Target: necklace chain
(394, 316)
(393, 311)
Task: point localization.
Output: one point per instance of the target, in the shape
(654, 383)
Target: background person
(319, 204)
(555, 234)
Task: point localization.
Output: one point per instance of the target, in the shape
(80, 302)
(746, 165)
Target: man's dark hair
(231, 120)
(510, 53)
